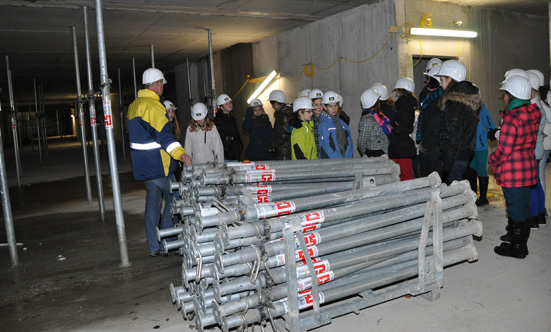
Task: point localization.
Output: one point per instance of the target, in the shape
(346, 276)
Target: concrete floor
(88, 291)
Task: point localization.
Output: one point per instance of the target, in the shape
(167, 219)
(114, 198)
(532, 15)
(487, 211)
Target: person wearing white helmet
(203, 141)
(374, 126)
(387, 102)
(280, 142)
(459, 103)
(304, 93)
(316, 96)
(335, 138)
(514, 162)
(227, 128)
(428, 126)
(302, 135)
(155, 152)
(428, 88)
(401, 147)
(171, 113)
(259, 127)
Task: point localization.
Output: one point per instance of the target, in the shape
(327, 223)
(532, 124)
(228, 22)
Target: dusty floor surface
(88, 291)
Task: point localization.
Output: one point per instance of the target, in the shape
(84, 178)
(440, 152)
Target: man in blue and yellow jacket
(155, 153)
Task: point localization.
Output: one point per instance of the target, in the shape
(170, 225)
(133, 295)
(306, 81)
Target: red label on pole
(81, 123)
(108, 121)
(93, 120)
(13, 126)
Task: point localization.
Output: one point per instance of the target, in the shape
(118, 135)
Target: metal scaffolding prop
(37, 116)
(121, 114)
(14, 125)
(259, 243)
(93, 121)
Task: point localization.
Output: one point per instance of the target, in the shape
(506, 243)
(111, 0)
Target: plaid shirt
(514, 161)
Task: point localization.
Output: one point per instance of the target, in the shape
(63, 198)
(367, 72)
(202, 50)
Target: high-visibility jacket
(154, 149)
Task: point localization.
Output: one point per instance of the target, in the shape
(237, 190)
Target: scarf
(261, 122)
(436, 94)
(384, 122)
(341, 134)
(516, 103)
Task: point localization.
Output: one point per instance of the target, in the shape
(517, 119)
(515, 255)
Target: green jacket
(303, 142)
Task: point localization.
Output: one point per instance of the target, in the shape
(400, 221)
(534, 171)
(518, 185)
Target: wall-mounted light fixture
(262, 86)
(443, 33)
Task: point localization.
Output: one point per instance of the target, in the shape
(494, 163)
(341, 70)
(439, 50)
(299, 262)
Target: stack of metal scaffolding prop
(318, 256)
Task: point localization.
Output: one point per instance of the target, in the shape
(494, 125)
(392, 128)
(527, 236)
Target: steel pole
(121, 111)
(211, 64)
(37, 116)
(93, 122)
(106, 96)
(13, 125)
(152, 48)
(134, 74)
(43, 118)
(188, 81)
(81, 121)
(6, 205)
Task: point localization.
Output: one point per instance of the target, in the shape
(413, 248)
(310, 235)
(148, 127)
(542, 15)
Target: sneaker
(541, 219)
(155, 253)
(534, 224)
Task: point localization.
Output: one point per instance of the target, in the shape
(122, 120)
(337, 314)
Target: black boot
(507, 236)
(483, 200)
(534, 224)
(541, 219)
(520, 232)
(470, 175)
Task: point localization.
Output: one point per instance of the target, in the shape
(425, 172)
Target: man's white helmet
(454, 69)
(381, 90)
(515, 72)
(539, 74)
(433, 72)
(152, 75)
(405, 83)
(518, 86)
(534, 80)
(199, 111)
(222, 99)
(302, 103)
(341, 100)
(304, 93)
(255, 102)
(315, 94)
(278, 96)
(369, 98)
(169, 105)
(330, 97)
(432, 62)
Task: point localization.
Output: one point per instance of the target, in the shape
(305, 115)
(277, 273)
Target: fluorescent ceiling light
(262, 86)
(443, 33)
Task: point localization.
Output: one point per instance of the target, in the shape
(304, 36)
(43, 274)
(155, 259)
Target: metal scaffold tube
(134, 76)
(37, 116)
(81, 121)
(93, 121)
(211, 66)
(14, 125)
(121, 111)
(152, 49)
(108, 118)
(6, 204)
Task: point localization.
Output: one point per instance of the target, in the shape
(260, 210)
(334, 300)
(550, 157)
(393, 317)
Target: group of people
(446, 131)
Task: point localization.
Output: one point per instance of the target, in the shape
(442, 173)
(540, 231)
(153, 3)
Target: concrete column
(405, 65)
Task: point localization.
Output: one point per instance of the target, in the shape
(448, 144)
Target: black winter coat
(280, 142)
(229, 133)
(401, 145)
(458, 123)
(430, 126)
(260, 130)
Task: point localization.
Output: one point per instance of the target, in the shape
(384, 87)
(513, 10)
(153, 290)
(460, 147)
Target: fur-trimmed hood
(463, 92)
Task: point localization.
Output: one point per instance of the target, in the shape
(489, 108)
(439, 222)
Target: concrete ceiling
(36, 34)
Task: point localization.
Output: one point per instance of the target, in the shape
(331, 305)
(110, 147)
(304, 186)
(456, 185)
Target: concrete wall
(356, 35)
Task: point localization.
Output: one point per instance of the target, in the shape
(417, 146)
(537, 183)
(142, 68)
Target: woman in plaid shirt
(514, 162)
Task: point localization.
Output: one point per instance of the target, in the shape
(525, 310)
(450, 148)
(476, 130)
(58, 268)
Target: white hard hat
(304, 93)
(518, 86)
(369, 98)
(432, 62)
(315, 94)
(302, 103)
(433, 72)
(152, 75)
(341, 100)
(454, 69)
(539, 74)
(169, 105)
(405, 83)
(199, 111)
(381, 90)
(277, 96)
(222, 99)
(330, 97)
(534, 80)
(515, 72)
(255, 102)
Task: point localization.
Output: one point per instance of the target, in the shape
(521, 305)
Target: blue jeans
(541, 166)
(537, 197)
(155, 190)
(458, 168)
(518, 203)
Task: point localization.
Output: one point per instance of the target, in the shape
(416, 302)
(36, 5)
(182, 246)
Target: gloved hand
(492, 134)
